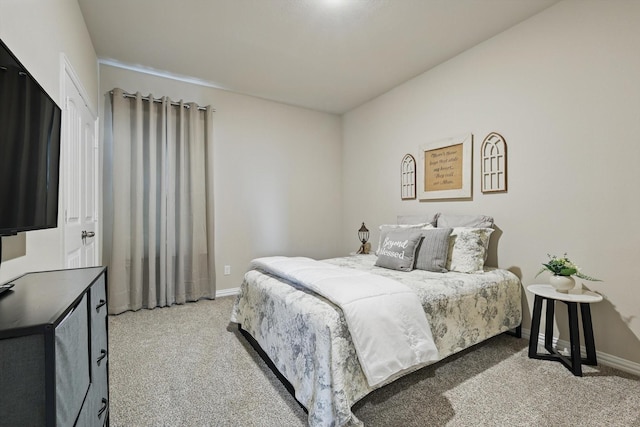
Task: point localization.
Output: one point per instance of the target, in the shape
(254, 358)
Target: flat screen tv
(29, 150)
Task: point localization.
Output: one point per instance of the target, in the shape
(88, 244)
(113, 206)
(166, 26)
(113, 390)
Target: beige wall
(38, 32)
(277, 172)
(563, 88)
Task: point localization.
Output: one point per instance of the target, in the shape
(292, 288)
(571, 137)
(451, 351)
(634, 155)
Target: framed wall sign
(446, 167)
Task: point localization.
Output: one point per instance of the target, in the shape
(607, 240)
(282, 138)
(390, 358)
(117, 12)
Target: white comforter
(386, 320)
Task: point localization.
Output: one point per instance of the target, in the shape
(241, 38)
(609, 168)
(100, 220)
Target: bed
(306, 338)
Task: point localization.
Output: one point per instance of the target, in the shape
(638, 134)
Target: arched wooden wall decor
(408, 177)
(494, 164)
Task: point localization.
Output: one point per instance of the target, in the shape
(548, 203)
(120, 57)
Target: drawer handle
(100, 304)
(104, 407)
(103, 354)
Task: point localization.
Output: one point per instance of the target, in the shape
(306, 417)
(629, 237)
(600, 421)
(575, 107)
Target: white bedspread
(386, 320)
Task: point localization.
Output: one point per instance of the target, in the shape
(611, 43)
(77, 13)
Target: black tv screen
(29, 150)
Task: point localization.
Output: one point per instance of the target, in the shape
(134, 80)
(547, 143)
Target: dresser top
(42, 299)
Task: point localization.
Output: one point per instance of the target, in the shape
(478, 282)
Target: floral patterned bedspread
(307, 339)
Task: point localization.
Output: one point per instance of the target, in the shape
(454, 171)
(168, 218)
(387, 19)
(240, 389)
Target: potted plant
(563, 270)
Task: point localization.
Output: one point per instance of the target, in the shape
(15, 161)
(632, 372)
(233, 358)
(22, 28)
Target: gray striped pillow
(433, 251)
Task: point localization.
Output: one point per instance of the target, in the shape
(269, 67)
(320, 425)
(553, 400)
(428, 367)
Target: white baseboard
(227, 292)
(604, 358)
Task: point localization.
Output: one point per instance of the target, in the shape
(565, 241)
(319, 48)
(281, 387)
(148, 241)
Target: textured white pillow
(467, 249)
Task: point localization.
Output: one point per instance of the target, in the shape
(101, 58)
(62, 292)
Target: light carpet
(187, 365)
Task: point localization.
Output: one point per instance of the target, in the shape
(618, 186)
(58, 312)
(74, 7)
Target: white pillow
(468, 249)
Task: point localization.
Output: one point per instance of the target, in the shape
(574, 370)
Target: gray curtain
(158, 204)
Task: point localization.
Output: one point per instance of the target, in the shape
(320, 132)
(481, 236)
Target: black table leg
(574, 337)
(535, 326)
(548, 327)
(587, 329)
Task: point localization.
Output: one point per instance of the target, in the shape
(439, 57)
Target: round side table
(571, 299)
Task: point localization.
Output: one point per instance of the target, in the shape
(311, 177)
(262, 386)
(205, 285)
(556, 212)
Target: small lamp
(363, 236)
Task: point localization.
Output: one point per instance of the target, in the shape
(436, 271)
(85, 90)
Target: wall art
(446, 168)
(494, 164)
(408, 177)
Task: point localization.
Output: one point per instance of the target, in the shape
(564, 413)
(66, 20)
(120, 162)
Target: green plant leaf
(567, 271)
(585, 277)
(542, 270)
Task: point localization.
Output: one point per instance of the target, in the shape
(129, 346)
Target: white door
(80, 180)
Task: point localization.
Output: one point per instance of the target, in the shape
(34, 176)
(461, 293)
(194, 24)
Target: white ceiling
(328, 55)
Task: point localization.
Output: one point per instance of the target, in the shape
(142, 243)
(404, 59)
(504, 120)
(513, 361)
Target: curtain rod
(146, 98)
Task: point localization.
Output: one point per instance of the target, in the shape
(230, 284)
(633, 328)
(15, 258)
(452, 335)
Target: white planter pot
(562, 283)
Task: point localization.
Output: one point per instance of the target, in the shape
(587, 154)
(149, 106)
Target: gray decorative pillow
(433, 250)
(398, 249)
(386, 228)
(477, 221)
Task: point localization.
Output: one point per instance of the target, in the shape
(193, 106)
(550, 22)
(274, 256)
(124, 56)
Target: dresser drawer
(72, 363)
(98, 309)
(99, 354)
(101, 396)
(96, 407)
(98, 293)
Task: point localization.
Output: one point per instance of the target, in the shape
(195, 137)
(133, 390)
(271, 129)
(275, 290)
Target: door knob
(86, 234)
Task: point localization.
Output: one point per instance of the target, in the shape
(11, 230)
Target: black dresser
(54, 350)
